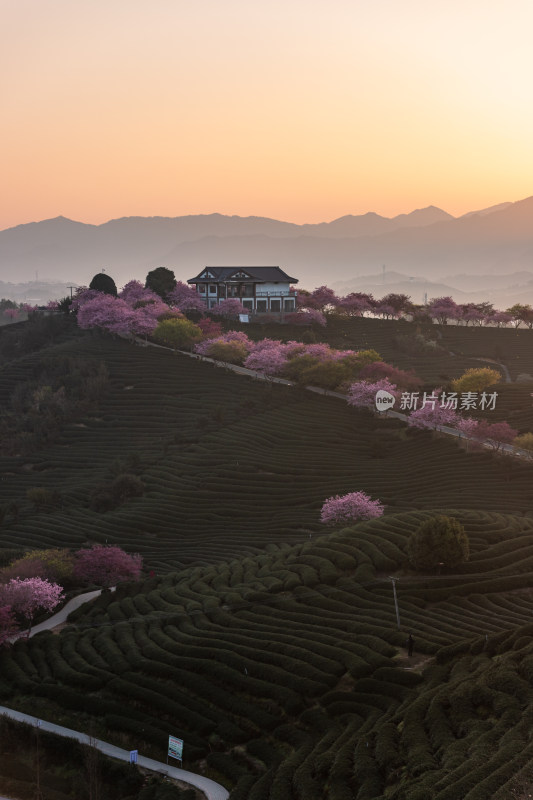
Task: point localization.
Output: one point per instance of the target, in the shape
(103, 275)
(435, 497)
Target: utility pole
(395, 600)
(71, 288)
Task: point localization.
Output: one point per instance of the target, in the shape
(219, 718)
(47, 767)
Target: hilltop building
(260, 289)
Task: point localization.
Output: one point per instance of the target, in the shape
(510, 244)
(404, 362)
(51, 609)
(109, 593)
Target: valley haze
(486, 254)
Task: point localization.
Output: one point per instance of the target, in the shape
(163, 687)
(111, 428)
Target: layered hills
(428, 244)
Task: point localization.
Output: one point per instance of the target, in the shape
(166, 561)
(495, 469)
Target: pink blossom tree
(106, 565)
(355, 304)
(11, 313)
(401, 378)
(306, 316)
(210, 329)
(499, 318)
(135, 292)
(350, 507)
(29, 595)
(443, 309)
(186, 299)
(229, 308)
(268, 357)
(106, 312)
(495, 434)
(385, 310)
(321, 298)
(362, 394)
(429, 417)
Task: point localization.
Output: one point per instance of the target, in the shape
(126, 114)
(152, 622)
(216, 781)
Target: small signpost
(134, 756)
(175, 748)
(244, 318)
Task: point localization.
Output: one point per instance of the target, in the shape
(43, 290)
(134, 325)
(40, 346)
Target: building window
(212, 288)
(275, 306)
(248, 304)
(261, 306)
(201, 288)
(288, 305)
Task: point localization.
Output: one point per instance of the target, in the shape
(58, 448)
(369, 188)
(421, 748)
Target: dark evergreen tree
(104, 283)
(161, 281)
(438, 541)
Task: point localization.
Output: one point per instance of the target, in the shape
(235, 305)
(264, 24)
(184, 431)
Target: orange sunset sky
(302, 110)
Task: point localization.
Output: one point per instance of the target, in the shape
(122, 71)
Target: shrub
(476, 380)
(43, 498)
(233, 352)
(108, 496)
(439, 540)
(524, 441)
(177, 332)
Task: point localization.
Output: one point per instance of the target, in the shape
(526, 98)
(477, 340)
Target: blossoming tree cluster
(350, 507)
(21, 597)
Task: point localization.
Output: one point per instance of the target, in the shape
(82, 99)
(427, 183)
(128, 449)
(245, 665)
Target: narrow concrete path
(60, 616)
(526, 455)
(498, 364)
(212, 790)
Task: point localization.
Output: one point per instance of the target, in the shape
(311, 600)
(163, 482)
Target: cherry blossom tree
(106, 565)
(210, 329)
(443, 309)
(135, 292)
(355, 304)
(386, 311)
(29, 595)
(11, 313)
(433, 417)
(321, 298)
(499, 318)
(401, 378)
(362, 394)
(186, 299)
(306, 316)
(106, 312)
(495, 434)
(350, 507)
(401, 303)
(229, 308)
(269, 357)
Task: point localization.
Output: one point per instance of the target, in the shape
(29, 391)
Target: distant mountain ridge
(428, 243)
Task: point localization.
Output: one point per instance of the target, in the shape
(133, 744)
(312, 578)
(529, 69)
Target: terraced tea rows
(277, 667)
(230, 464)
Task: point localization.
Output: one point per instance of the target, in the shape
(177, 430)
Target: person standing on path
(410, 644)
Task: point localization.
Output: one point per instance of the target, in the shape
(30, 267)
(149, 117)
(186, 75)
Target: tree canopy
(162, 281)
(440, 540)
(103, 283)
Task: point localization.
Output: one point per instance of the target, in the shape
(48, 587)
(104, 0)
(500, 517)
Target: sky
(300, 110)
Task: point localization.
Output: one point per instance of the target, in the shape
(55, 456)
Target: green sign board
(175, 747)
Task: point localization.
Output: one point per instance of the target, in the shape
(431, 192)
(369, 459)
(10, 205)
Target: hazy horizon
(299, 111)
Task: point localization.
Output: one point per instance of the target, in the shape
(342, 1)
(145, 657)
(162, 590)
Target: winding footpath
(212, 790)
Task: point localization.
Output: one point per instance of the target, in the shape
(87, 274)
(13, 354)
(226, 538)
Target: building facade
(261, 290)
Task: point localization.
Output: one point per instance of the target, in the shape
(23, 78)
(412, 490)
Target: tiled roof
(257, 274)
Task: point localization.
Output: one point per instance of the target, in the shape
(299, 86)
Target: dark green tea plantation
(266, 640)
